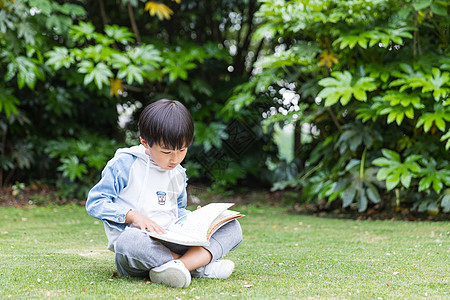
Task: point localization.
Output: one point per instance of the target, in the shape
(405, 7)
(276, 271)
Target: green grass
(59, 252)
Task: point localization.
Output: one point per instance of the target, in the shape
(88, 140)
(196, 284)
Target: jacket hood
(139, 152)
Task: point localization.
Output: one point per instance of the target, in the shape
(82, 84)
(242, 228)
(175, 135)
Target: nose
(174, 157)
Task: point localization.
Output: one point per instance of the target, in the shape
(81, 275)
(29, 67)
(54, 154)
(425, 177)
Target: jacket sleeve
(101, 200)
(182, 198)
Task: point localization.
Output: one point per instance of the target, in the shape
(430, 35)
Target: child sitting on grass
(144, 188)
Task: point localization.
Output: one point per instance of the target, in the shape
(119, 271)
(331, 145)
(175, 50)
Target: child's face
(166, 159)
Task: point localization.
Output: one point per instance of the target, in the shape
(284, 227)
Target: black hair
(167, 123)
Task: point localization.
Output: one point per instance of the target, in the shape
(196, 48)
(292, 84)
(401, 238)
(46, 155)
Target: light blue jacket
(132, 181)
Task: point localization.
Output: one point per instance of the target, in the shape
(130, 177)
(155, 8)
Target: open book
(195, 228)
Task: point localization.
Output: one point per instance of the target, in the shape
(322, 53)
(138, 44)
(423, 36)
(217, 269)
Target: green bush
(66, 69)
(80, 162)
(372, 83)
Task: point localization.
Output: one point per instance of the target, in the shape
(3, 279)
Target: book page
(196, 223)
(180, 238)
(225, 217)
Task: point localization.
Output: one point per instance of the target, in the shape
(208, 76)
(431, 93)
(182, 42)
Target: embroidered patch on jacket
(161, 197)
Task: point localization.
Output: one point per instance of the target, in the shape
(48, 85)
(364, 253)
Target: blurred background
(320, 105)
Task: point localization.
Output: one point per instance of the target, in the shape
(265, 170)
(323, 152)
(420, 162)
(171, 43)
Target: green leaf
(71, 9)
(119, 61)
(340, 88)
(82, 32)
(210, 135)
(100, 74)
(360, 95)
(102, 40)
(8, 102)
(362, 201)
(394, 171)
(145, 55)
(178, 69)
(437, 185)
(43, 5)
(351, 41)
(98, 53)
(85, 66)
(446, 137)
(381, 162)
(348, 195)
(329, 82)
(132, 73)
(238, 101)
(72, 168)
(439, 8)
(27, 71)
(425, 183)
(436, 82)
(58, 23)
(421, 4)
(397, 113)
(392, 181)
(59, 57)
(119, 34)
(438, 117)
(406, 180)
(372, 194)
(391, 155)
(445, 203)
(331, 96)
(432, 176)
(404, 99)
(362, 85)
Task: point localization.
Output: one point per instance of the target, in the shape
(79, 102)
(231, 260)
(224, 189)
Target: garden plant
(367, 85)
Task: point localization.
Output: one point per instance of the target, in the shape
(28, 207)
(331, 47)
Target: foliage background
(363, 84)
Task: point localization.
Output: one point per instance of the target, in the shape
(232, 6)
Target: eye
(165, 152)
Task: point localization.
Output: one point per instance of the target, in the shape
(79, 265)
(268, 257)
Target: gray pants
(137, 253)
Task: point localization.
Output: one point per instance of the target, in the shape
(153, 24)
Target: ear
(144, 143)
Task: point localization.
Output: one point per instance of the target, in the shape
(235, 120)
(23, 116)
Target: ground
(34, 194)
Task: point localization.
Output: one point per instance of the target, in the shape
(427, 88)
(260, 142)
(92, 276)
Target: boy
(144, 188)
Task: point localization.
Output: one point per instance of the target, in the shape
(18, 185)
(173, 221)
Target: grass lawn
(59, 252)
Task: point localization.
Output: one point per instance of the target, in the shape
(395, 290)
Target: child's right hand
(140, 221)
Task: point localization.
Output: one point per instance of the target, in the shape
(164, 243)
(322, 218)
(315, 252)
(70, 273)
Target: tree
(70, 65)
(372, 84)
